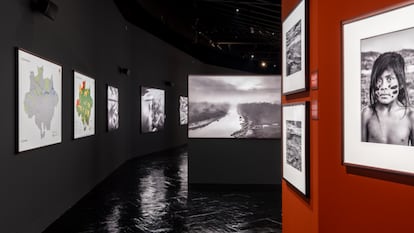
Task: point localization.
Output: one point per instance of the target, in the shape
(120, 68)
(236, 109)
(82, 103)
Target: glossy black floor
(151, 194)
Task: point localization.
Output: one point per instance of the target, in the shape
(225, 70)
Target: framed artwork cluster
(39, 103)
(295, 116)
(378, 90)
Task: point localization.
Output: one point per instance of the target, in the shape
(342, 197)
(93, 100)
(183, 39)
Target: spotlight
(263, 64)
(124, 70)
(46, 7)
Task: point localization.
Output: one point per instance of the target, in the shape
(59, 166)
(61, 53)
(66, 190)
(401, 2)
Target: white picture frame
(84, 105)
(381, 34)
(183, 110)
(39, 101)
(295, 139)
(295, 51)
(152, 109)
(112, 108)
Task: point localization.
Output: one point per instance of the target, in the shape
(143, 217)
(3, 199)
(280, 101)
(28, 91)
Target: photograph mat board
(152, 109)
(84, 105)
(373, 155)
(296, 177)
(39, 102)
(113, 108)
(296, 81)
(234, 106)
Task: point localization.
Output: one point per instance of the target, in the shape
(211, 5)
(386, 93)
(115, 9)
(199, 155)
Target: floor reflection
(151, 194)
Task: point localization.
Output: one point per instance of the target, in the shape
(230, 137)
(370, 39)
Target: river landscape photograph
(234, 106)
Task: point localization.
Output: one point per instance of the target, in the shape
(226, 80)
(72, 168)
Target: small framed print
(378, 90)
(152, 109)
(295, 50)
(84, 105)
(295, 139)
(113, 108)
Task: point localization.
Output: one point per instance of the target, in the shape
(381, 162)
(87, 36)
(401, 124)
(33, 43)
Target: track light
(46, 7)
(124, 70)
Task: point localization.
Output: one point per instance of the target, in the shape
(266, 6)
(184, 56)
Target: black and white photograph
(183, 110)
(234, 106)
(387, 88)
(294, 50)
(152, 109)
(378, 90)
(295, 145)
(113, 108)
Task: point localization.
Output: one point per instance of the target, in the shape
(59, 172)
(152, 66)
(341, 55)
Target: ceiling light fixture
(237, 10)
(263, 64)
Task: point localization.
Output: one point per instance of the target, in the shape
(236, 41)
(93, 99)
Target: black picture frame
(363, 43)
(295, 146)
(295, 50)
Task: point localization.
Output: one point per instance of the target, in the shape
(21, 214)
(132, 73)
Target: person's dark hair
(396, 62)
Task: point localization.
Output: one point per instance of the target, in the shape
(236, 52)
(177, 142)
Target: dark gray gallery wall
(37, 186)
(91, 37)
(234, 161)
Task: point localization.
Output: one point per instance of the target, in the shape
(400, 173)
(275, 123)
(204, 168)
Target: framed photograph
(295, 50)
(378, 90)
(183, 110)
(238, 106)
(113, 114)
(152, 109)
(84, 105)
(295, 138)
(39, 101)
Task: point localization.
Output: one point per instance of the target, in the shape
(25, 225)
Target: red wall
(342, 199)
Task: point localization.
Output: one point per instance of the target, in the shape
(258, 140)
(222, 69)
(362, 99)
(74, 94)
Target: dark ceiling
(234, 34)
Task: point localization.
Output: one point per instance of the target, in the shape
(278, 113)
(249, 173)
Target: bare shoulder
(367, 112)
(410, 113)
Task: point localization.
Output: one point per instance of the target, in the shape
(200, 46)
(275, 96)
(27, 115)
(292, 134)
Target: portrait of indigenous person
(388, 118)
(387, 88)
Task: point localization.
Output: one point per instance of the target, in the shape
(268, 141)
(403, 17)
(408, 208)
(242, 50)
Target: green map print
(41, 100)
(84, 104)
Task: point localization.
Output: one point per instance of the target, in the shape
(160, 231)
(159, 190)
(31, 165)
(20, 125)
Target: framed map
(84, 105)
(152, 109)
(113, 114)
(39, 101)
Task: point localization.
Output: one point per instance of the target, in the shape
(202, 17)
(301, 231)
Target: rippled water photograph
(234, 106)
